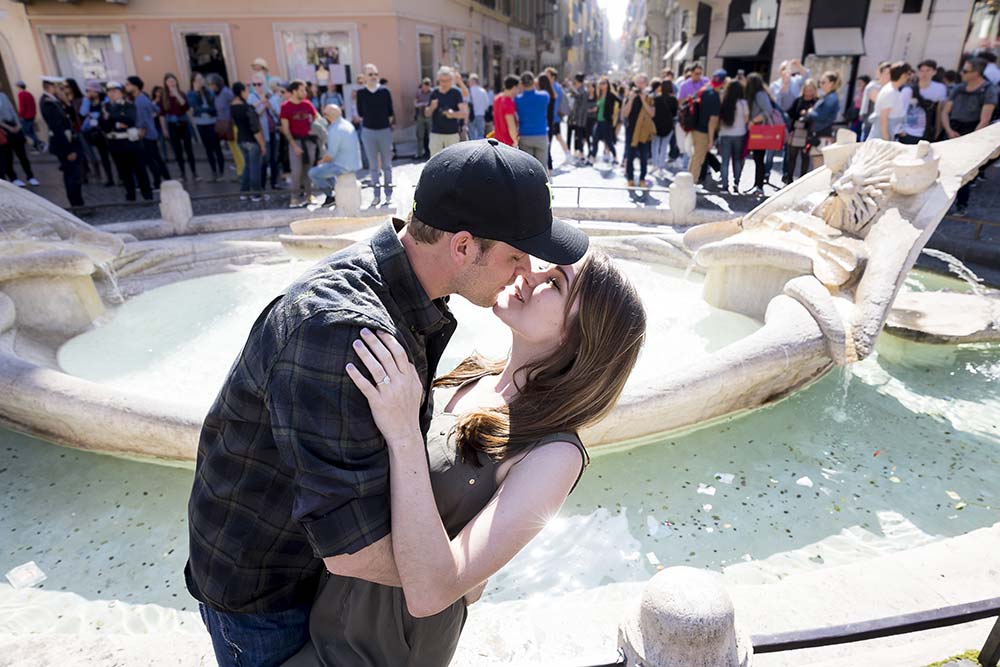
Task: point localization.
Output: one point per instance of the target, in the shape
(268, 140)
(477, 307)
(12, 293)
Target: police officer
(63, 141)
(118, 119)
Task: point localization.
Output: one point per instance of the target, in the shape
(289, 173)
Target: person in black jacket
(374, 107)
(666, 105)
(63, 141)
(118, 120)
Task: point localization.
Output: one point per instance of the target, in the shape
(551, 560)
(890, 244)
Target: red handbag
(766, 138)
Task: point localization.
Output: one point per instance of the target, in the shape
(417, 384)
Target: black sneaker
(959, 212)
(329, 201)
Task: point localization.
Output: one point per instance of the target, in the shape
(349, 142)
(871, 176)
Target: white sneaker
(243, 197)
(33, 181)
(19, 183)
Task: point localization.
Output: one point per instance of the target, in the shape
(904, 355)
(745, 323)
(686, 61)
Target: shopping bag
(766, 138)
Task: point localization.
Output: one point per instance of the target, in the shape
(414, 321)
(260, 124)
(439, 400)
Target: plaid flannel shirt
(291, 467)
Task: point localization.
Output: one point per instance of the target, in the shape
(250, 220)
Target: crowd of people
(293, 134)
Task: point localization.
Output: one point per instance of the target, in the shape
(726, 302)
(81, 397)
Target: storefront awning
(672, 50)
(687, 51)
(745, 44)
(838, 42)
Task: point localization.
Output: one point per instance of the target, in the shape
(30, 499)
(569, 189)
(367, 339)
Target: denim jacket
(202, 106)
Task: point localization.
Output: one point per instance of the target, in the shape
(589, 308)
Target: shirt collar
(424, 316)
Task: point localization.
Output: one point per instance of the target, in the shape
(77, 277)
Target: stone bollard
(682, 197)
(684, 619)
(348, 194)
(175, 207)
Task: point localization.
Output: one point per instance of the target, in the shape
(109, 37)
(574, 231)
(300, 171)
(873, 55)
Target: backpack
(690, 111)
(563, 109)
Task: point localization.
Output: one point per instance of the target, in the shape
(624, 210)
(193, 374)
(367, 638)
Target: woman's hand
(395, 393)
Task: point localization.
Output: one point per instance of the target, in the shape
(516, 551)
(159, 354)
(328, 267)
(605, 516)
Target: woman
(201, 101)
(90, 130)
(857, 120)
(545, 84)
(502, 454)
(588, 130)
(156, 95)
(176, 124)
(665, 103)
(761, 106)
(733, 117)
(607, 116)
(822, 117)
(797, 149)
(74, 103)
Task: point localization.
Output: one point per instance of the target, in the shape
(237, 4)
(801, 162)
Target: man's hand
(296, 149)
(71, 157)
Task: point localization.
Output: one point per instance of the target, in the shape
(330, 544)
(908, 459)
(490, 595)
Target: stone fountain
(820, 264)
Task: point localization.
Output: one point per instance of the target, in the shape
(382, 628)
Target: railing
(989, 655)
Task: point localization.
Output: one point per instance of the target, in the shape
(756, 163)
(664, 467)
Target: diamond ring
(385, 380)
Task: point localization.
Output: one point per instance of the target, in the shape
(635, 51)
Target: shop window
(913, 6)
(456, 51)
(85, 57)
(320, 57)
(426, 56)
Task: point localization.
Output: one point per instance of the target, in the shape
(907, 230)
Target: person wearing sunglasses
(374, 108)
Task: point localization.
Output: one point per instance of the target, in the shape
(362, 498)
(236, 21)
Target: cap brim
(562, 244)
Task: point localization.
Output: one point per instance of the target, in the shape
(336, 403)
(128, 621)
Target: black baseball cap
(495, 191)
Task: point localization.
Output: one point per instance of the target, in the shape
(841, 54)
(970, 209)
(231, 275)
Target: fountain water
(957, 267)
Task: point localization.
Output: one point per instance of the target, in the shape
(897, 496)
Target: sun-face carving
(860, 191)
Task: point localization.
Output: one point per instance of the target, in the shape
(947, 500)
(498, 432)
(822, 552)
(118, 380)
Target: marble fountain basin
(801, 284)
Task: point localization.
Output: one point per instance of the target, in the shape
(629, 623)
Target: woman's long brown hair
(576, 385)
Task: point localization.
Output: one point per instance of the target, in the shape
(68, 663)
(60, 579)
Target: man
(149, 134)
(788, 86)
(969, 108)
(889, 112)
(118, 122)
(562, 105)
(377, 120)
(992, 72)
(26, 112)
(343, 154)
(420, 102)
(480, 101)
(505, 127)
(292, 475)
(703, 135)
(667, 81)
(870, 94)
(297, 115)
(251, 140)
(692, 84)
(259, 66)
(260, 100)
(224, 119)
(446, 111)
(922, 115)
(638, 112)
(10, 124)
(63, 142)
(532, 114)
(578, 116)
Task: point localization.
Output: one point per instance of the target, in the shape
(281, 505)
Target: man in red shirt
(297, 115)
(26, 112)
(505, 112)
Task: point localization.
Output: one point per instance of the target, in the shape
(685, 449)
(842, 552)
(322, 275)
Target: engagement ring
(385, 380)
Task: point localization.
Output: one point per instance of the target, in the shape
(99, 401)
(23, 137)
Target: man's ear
(463, 248)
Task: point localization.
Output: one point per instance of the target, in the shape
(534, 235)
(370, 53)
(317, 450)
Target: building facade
(322, 41)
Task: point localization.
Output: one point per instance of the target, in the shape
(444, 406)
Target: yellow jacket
(645, 129)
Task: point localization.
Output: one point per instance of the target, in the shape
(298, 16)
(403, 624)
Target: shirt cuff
(349, 528)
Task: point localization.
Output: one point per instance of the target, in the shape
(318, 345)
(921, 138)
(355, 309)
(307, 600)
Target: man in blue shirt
(343, 154)
(145, 122)
(532, 111)
(562, 105)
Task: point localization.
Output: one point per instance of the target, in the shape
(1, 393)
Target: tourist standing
(607, 115)
(798, 145)
(533, 116)
(970, 107)
(260, 66)
(27, 110)
(177, 125)
(250, 138)
(561, 107)
(145, 112)
(822, 117)
(90, 128)
(342, 155)
(224, 120)
(708, 105)
(446, 111)
(666, 107)
(889, 112)
(869, 97)
(544, 84)
(761, 105)
(788, 86)
(377, 119)
(505, 124)
(118, 123)
(638, 112)
(14, 143)
(258, 97)
(297, 114)
(423, 122)
(63, 142)
(201, 101)
(591, 118)
(693, 84)
(577, 116)
(480, 101)
(923, 114)
(734, 114)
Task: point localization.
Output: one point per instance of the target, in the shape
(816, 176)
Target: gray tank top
(363, 624)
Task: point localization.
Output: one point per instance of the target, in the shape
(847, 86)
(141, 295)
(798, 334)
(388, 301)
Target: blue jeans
(731, 152)
(250, 178)
(28, 127)
(256, 640)
(661, 148)
(477, 127)
(324, 175)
